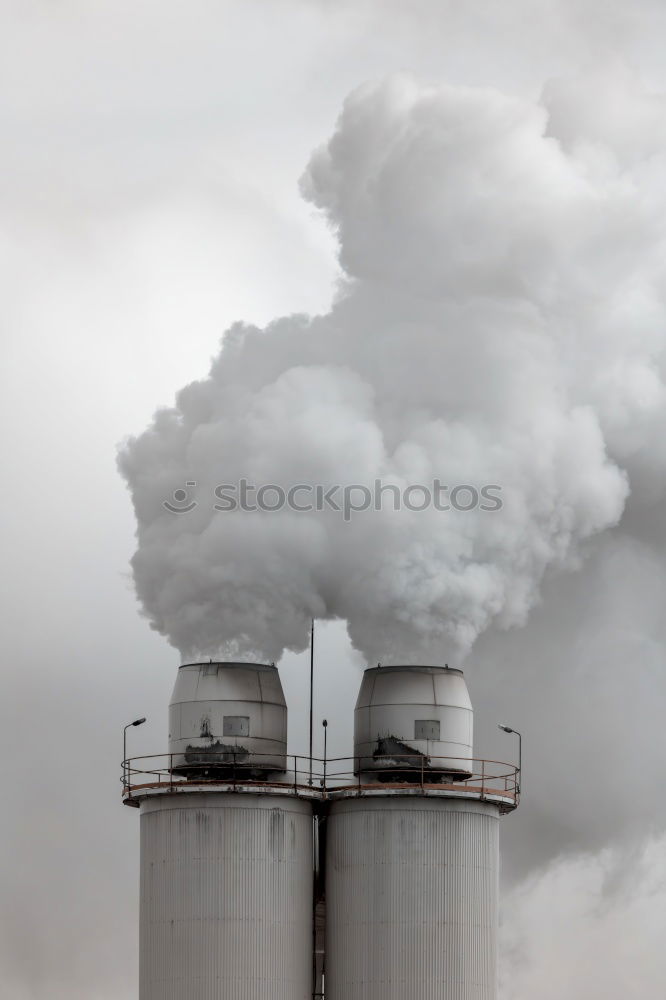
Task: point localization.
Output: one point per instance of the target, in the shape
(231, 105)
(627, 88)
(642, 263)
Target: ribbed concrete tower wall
(226, 897)
(411, 899)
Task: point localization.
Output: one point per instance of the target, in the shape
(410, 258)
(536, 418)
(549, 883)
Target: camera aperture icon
(180, 503)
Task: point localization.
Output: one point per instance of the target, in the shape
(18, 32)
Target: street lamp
(137, 722)
(508, 729)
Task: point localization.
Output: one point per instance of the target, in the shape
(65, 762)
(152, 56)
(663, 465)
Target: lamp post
(137, 722)
(325, 725)
(508, 729)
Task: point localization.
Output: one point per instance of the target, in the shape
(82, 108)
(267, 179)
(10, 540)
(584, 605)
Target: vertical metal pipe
(311, 690)
(315, 875)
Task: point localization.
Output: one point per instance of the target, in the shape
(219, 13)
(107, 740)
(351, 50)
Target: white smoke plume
(588, 926)
(499, 320)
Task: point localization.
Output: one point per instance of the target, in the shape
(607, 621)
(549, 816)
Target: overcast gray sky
(149, 198)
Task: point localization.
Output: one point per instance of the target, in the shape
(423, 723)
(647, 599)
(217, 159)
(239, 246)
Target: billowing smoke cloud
(499, 320)
(588, 926)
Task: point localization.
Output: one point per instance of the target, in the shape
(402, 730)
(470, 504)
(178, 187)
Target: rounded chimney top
(419, 667)
(225, 715)
(413, 716)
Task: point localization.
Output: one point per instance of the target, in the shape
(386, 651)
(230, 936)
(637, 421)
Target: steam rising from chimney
(500, 321)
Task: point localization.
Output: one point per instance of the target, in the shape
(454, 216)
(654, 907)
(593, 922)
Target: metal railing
(304, 775)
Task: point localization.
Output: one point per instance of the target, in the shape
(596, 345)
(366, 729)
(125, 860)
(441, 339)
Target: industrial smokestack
(413, 854)
(226, 850)
(382, 870)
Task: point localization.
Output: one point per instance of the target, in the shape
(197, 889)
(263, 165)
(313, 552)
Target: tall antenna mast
(311, 690)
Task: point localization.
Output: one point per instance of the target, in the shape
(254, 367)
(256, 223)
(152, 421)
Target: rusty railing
(305, 776)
